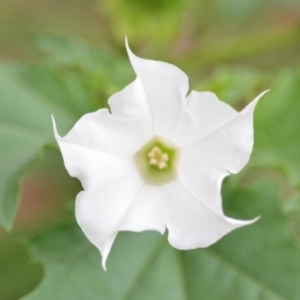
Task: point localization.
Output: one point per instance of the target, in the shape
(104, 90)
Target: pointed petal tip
(104, 264)
(261, 95)
(53, 120)
(240, 223)
(249, 222)
(127, 45)
(255, 219)
(130, 54)
(134, 59)
(104, 260)
(54, 127)
(57, 136)
(254, 102)
(105, 250)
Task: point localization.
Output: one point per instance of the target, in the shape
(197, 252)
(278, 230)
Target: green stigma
(157, 162)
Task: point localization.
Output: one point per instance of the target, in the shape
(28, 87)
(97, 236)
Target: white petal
(226, 149)
(111, 183)
(204, 113)
(165, 86)
(191, 223)
(146, 212)
(124, 131)
(131, 102)
(205, 184)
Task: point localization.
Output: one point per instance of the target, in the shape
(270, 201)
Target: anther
(158, 158)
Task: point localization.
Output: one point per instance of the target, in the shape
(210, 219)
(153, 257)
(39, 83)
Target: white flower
(157, 160)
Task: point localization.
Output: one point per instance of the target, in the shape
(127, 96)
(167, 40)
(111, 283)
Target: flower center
(157, 161)
(158, 158)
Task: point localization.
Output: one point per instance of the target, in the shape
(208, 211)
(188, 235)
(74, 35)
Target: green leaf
(74, 81)
(17, 269)
(277, 129)
(236, 86)
(144, 19)
(105, 73)
(254, 262)
(28, 98)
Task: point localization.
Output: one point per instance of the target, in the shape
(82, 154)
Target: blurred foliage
(66, 59)
(16, 266)
(141, 18)
(277, 127)
(241, 265)
(62, 87)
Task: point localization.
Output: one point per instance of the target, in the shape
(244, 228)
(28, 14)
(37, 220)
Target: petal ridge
(60, 138)
(165, 86)
(251, 105)
(199, 226)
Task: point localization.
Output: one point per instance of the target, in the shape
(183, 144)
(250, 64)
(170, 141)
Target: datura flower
(157, 159)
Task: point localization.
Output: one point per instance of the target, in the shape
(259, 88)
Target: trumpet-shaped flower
(157, 160)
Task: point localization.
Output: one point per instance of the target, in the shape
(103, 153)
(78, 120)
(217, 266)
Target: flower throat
(157, 161)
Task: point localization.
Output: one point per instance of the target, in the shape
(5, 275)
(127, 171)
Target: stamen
(157, 158)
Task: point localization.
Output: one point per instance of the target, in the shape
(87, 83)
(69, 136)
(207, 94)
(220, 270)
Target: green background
(66, 58)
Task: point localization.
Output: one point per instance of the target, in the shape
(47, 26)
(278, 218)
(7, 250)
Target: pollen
(158, 158)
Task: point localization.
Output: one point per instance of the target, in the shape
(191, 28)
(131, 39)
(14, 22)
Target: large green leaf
(17, 271)
(105, 73)
(277, 127)
(252, 263)
(74, 81)
(25, 126)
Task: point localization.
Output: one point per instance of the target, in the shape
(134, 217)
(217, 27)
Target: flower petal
(124, 131)
(165, 86)
(205, 184)
(227, 148)
(131, 102)
(111, 183)
(204, 113)
(146, 212)
(191, 223)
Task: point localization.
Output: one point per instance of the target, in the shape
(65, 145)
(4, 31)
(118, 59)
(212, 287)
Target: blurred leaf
(257, 45)
(234, 11)
(277, 127)
(255, 262)
(236, 86)
(18, 275)
(142, 20)
(292, 208)
(74, 81)
(28, 98)
(104, 72)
